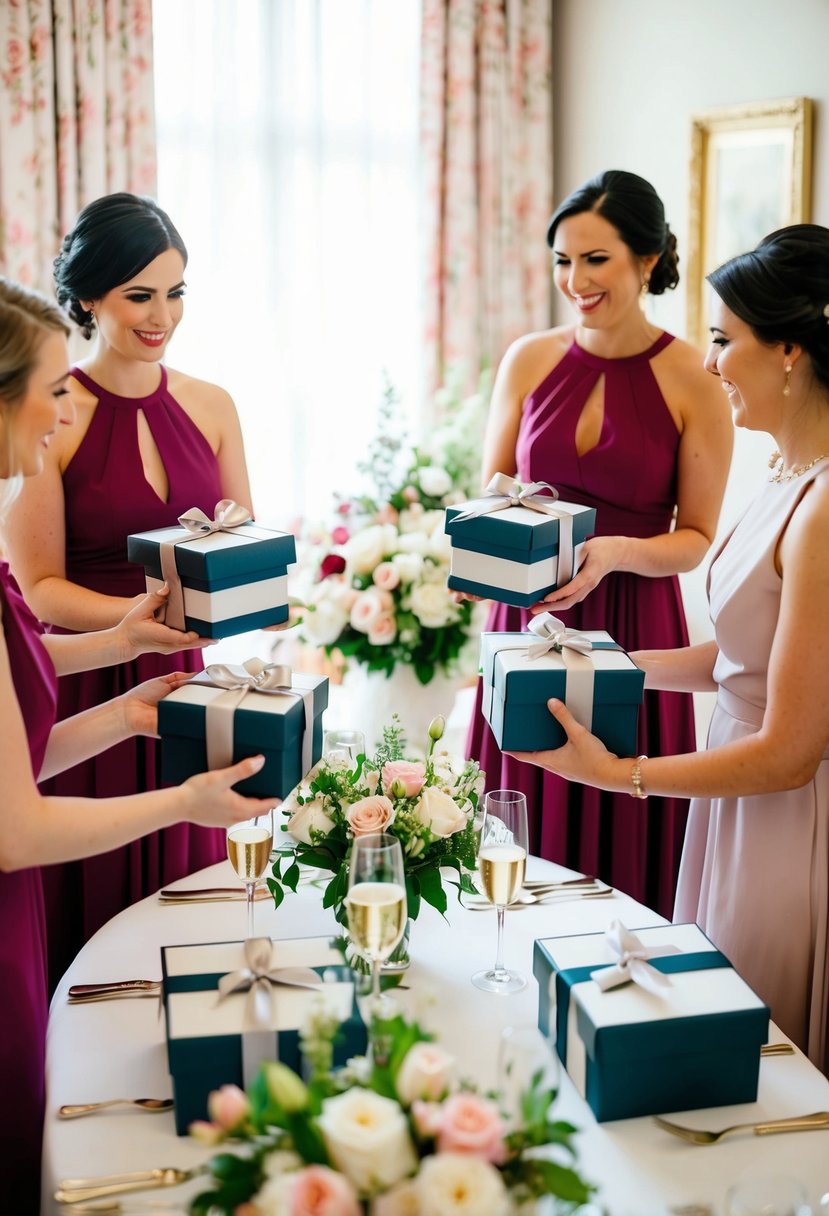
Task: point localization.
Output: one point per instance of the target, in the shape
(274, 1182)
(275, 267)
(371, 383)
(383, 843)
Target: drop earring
(787, 388)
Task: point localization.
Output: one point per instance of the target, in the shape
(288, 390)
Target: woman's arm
(703, 460)
(688, 669)
(787, 749)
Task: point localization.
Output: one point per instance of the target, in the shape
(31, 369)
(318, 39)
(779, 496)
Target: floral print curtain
(486, 140)
(76, 119)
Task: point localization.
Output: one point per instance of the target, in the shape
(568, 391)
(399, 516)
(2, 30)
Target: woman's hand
(140, 705)
(141, 631)
(600, 556)
(583, 758)
(210, 801)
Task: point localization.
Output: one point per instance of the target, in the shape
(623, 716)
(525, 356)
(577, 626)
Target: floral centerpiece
(397, 1138)
(428, 805)
(373, 584)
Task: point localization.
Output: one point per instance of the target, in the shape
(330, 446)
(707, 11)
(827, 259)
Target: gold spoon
(75, 1110)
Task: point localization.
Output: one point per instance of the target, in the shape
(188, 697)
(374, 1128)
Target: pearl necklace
(798, 470)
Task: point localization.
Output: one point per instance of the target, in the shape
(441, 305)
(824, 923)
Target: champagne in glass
(376, 906)
(502, 858)
(249, 845)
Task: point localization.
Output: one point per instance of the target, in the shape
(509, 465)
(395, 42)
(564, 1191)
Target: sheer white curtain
(287, 158)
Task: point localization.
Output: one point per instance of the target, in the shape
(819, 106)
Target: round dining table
(116, 1049)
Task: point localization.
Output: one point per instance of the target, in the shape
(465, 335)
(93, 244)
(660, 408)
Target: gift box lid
(265, 720)
(249, 551)
(707, 1004)
(523, 681)
(517, 528)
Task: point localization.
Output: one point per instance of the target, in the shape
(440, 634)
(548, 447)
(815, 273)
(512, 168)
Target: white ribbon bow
(253, 675)
(504, 492)
(554, 635)
(227, 515)
(632, 964)
(258, 979)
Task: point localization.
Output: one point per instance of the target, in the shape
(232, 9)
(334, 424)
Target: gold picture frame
(751, 169)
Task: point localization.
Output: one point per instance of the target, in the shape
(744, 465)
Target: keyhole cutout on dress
(591, 420)
(154, 472)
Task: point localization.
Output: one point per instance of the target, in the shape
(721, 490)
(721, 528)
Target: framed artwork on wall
(750, 174)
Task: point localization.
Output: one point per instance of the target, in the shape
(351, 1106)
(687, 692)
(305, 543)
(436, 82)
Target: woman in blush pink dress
(755, 867)
(148, 444)
(617, 415)
(37, 829)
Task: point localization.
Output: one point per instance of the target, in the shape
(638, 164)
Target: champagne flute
(376, 905)
(502, 859)
(344, 745)
(771, 1195)
(249, 845)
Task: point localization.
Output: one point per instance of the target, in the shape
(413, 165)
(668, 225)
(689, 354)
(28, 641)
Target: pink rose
(411, 494)
(472, 1124)
(228, 1106)
(340, 535)
(387, 514)
(386, 576)
(412, 774)
(206, 1133)
(383, 631)
(319, 1191)
(368, 606)
(428, 1117)
(373, 814)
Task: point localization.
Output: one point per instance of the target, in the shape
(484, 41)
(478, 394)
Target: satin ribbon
(504, 492)
(632, 965)
(553, 634)
(227, 515)
(260, 1041)
(272, 679)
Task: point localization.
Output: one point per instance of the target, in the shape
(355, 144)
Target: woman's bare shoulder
(533, 356)
(199, 396)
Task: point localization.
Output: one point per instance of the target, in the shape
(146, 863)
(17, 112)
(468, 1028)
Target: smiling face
(137, 319)
(752, 372)
(45, 406)
(596, 272)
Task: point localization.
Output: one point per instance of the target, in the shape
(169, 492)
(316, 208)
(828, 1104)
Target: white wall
(627, 76)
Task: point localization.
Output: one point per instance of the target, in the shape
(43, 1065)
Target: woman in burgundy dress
(37, 829)
(620, 416)
(148, 444)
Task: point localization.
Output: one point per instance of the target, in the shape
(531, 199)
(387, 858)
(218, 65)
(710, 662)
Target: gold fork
(80, 1190)
(694, 1135)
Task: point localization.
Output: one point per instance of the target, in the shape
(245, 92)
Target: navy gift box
(204, 1035)
(232, 581)
(630, 1052)
(273, 725)
(517, 688)
(513, 555)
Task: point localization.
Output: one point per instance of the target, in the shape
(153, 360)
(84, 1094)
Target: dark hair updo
(781, 289)
(635, 210)
(114, 238)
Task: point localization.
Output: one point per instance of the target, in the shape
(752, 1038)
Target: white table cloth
(117, 1050)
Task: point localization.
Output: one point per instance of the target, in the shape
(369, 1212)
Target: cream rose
(324, 623)
(431, 605)
(373, 814)
(401, 1200)
(425, 1073)
(439, 813)
(434, 481)
(409, 566)
(367, 1138)
(453, 1184)
(304, 818)
(384, 630)
(368, 548)
(413, 542)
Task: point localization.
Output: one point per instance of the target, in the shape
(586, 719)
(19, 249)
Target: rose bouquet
(394, 1138)
(373, 585)
(428, 805)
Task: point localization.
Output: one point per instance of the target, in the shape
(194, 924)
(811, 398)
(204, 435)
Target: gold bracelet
(639, 790)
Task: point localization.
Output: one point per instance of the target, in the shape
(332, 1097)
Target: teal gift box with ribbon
(649, 1022)
(517, 544)
(226, 575)
(228, 712)
(232, 1006)
(597, 680)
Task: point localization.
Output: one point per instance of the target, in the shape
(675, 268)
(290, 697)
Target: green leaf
(432, 890)
(550, 1178)
(291, 876)
(321, 859)
(276, 891)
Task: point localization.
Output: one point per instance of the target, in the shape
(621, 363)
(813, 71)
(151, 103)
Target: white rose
(431, 605)
(425, 1073)
(367, 1138)
(434, 481)
(281, 1161)
(366, 549)
(440, 547)
(274, 1199)
(401, 1200)
(409, 565)
(411, 518)
(325, 623)
(433, 522)
(413, 542)
(311, 815)
(458, 1184)
(436, 811)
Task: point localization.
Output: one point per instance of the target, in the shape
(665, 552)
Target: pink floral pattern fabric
(76, 119)
(486, 139)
